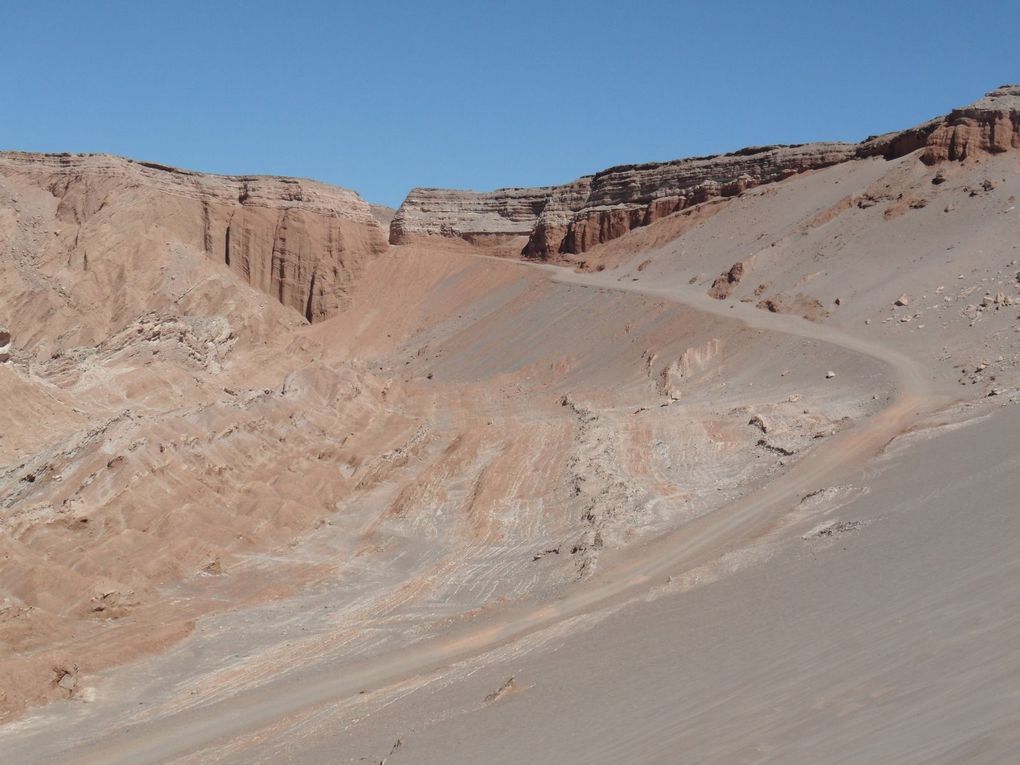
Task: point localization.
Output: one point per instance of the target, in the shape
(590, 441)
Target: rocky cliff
(575, 217)
(988, 126)
(298, 240)
(469, 215)
(614, 201)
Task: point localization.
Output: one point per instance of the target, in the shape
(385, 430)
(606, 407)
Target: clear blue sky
(382, 96)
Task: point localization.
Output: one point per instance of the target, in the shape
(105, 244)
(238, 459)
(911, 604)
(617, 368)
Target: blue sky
(383, 96)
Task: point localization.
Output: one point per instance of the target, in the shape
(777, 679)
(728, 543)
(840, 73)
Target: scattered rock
(774, 448)
(508, 687)
(834, 529)
(726, 281)
(67, 679)
(543, 553)
(829, 375)
(902, 300)
(796, 304)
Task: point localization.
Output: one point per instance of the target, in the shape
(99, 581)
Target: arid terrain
(712, 460)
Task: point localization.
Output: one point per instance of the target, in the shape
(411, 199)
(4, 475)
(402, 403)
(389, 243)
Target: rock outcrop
(611, 203)
(496, 215)
(726, 281)
(577, 216)
(988, 126)
(298, 240)
(573, 218)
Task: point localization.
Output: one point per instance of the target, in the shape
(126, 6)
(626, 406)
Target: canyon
(682, 446)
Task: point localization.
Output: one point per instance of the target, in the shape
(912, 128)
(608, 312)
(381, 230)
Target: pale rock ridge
(301, 241)
(575, 217)
(467, 214)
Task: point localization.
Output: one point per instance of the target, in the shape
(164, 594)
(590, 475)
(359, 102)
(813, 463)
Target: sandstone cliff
(575, 217)
(990, 126)
(469, 215)
(299, 241)
(614, 201)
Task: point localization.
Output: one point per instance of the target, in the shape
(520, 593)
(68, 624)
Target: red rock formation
(573, 218)
(726, 281)
(989, 126)
(300, 241)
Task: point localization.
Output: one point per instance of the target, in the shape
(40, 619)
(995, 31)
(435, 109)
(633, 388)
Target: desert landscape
(712, 460)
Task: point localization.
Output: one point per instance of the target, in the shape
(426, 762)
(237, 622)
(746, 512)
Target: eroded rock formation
(623, 198)
(469, 215)
(298, 240)
(990, 125)
(577, 216)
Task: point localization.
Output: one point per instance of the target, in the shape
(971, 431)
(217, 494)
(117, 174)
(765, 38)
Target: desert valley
(711, 460)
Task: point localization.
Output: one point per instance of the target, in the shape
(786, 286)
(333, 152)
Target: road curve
(695, 543)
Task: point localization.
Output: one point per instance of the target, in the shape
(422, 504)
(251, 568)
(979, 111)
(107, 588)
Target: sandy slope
(895, 641)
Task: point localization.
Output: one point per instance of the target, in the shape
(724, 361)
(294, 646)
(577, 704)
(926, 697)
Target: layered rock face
(575, 217)
(300, 241)
(614, 201)
(466, 214)
(988, 126)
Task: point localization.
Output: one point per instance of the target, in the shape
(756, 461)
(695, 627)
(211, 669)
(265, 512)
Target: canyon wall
(575, 217)
(988, 126)
(619, 199)
(300, 241)
(468, 215)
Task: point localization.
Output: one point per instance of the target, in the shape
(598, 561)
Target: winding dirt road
(697, 542)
